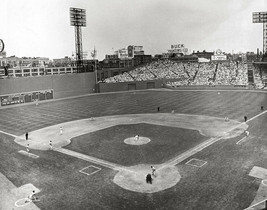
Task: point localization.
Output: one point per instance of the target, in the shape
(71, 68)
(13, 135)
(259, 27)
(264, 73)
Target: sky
(41, 28)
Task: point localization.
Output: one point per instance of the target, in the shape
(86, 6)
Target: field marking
(203, 145)
(24, 203)
(91, 159)
(9, 134)
(199, 166)
(28, 154)
(173, 161)
(264, 182)
(251, 207)
(241, 140)
(98, 169)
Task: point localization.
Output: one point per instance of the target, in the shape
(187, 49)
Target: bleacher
(226, 73)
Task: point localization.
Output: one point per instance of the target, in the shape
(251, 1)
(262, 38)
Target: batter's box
(196, 162)
(89, 170)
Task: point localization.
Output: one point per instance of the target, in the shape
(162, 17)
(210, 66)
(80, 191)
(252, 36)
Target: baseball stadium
(177, 131)
(195, 140)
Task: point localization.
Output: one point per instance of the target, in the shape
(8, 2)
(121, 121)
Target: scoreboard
(21, 98)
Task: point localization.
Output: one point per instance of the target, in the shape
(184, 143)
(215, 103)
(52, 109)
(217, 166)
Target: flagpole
(94, 56)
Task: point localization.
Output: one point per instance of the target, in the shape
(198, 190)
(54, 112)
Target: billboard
(135, 50)
(177, 46)
(122, 53)
(218, 57)
(138, 48)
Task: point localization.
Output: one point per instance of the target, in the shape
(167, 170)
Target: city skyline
(42, 28)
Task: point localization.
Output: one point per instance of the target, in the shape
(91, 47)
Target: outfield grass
(18, 120)
(222, 183)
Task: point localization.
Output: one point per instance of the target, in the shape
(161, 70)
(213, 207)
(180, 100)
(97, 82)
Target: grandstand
(226, 73)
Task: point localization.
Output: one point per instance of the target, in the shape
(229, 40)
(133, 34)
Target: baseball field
(196, 142)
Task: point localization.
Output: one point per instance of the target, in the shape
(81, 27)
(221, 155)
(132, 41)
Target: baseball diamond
(194, 151)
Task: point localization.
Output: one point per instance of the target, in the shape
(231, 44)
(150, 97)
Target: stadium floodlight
(261, 17)
(78, 20)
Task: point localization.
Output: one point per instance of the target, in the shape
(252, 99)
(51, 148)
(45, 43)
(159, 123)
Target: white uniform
(61, 130)
(153, 170)
(27, 148)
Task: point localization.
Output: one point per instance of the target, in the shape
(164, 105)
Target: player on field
(153, 170)
(61, 130)
(136, 138)
(31, 197)
(26, 135)
(148, 178)
(247, 133)
(27, 148)
(50, 145)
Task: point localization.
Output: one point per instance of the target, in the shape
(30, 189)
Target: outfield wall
(207, 87)
(141, 85)
(125, 86)
(63, 85)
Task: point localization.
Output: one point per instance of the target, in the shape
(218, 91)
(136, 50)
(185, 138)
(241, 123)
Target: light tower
(261, 17)
(78, 20)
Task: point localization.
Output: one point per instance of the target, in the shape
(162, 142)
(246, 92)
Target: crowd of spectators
(258, 79)
(155, 70)
(232, 73)
(224, 73)
(125, 77)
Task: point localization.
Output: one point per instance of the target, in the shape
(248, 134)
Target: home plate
(28, 154)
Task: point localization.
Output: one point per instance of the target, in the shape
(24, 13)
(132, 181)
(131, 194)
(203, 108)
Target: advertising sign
(130, 51)
(177, 46)
(218, 57)
(122, 53)
(20, 98)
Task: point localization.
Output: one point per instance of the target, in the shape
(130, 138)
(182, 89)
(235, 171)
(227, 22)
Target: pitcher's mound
(137, 141)
(134, 179)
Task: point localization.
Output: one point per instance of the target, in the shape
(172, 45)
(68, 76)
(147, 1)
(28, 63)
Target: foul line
(173, 161)
(91, 159)
(203, 145)
(9, 134)
(241, 140)
(250, 207)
